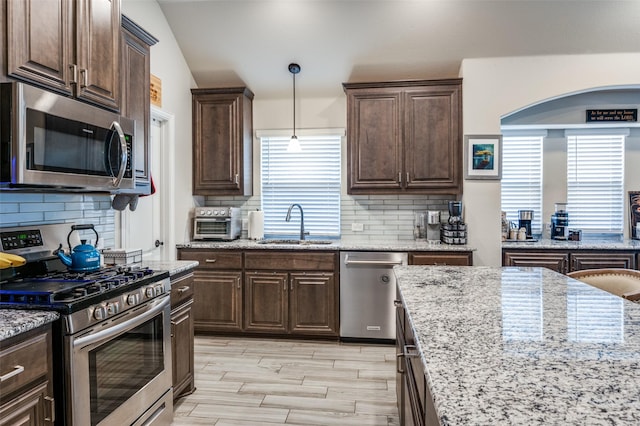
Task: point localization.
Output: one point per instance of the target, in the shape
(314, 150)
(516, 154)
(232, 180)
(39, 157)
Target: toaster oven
(216, 223)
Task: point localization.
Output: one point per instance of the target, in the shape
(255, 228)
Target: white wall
(494, 87)
(167, 63)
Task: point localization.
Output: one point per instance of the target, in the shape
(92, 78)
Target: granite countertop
(585, 244)
(173, 266)
(336, 245)
(16, 321)
(523, 346)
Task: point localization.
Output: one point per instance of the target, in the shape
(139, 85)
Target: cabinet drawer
(24, 363)
(434, 258)
(181, 289)
(220, 259)
(290, 261)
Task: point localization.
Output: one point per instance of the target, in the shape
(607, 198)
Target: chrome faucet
(288, 218)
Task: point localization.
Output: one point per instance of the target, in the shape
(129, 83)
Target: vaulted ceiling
(251, 42)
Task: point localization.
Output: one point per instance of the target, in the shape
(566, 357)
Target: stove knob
(133, 299)
(149, 292)
(113, 308)
(99, 313)
(158, 290)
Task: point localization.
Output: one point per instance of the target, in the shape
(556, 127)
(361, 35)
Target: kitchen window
(521, 183)
(310, 178)
(595, 180)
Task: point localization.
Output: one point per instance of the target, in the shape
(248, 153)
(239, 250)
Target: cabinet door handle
(238, 283)
(284, 288)
(399, 357)
(52, 409)
(74, 73)
(83, 74)
(408, 180)
(183, 289)
(237, 179)
(291, 284)
(16, 370)
(408, 348)
(210, 261)
(397, 303)
(400, 177)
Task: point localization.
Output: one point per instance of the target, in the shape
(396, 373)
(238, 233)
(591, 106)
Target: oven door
(120, 371)
(212, 228)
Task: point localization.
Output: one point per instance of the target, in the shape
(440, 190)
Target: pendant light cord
(294, 104)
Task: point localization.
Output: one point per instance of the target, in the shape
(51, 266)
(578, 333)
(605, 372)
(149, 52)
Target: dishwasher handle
(347, 261)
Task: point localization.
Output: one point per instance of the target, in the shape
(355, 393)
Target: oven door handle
(111, 332)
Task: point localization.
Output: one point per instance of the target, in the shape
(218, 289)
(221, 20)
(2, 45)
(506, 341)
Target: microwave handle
(123, 159)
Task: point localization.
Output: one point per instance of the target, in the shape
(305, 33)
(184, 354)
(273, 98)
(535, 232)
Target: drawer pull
(16, 370)
(52, 409)
(183, 289)
(210, 260)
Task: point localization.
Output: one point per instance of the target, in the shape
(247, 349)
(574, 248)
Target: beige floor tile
(266, 414)
(309, 403)
(267, 382)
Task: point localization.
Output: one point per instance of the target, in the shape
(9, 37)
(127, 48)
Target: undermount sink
(302, 242)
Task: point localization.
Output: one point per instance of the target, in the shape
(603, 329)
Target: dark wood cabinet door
(98, 52)
(312, 301)
(217, 300)
(222, 150)
(266, 302)
(136, 79)
(182, 350)
(432, 141)
(374, 147)
(555, 261)
(40, 42)
(439, 258)
(597, 260)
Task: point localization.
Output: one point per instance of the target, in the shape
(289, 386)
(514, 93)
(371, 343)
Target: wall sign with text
(609, 115)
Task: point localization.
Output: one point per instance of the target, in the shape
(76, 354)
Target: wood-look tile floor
(249, 381)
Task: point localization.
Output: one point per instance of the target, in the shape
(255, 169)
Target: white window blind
(521, 186)
(595, 182)
(310, 178)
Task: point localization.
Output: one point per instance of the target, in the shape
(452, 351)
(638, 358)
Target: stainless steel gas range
(112, 345)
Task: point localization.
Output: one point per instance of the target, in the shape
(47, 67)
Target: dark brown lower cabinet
(218, 289)
(291, 293)
(26, 396)
(182, 335)
(565, 261)
(295, 303)
(415, 402)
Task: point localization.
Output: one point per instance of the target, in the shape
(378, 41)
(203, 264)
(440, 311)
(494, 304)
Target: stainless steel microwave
(48, 141)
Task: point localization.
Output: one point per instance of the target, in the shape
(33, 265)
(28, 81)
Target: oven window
(123, 366)
(211, 227)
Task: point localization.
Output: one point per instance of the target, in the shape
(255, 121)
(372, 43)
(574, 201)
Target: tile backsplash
(21, 209)
(388, 217)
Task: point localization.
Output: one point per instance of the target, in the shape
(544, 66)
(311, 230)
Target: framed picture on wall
(634, 214)
(483, 157)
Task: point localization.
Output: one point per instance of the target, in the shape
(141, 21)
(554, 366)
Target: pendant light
(294, 144)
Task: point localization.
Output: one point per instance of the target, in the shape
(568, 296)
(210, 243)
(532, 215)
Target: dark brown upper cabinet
(404, 137)
(69, 46)
(222, 141)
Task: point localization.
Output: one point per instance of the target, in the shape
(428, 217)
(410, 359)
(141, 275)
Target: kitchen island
(521, 346)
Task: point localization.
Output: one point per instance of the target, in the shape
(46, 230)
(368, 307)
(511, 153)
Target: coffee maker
(455, 231)
(455, 212)
(524, 221)
(560, 222)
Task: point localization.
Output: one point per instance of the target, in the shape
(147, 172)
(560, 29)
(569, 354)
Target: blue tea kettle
(84, 257)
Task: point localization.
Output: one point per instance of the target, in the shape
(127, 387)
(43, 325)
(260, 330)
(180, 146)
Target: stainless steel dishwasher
(367, 292)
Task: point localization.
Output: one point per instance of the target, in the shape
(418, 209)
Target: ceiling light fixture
(294, 144)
